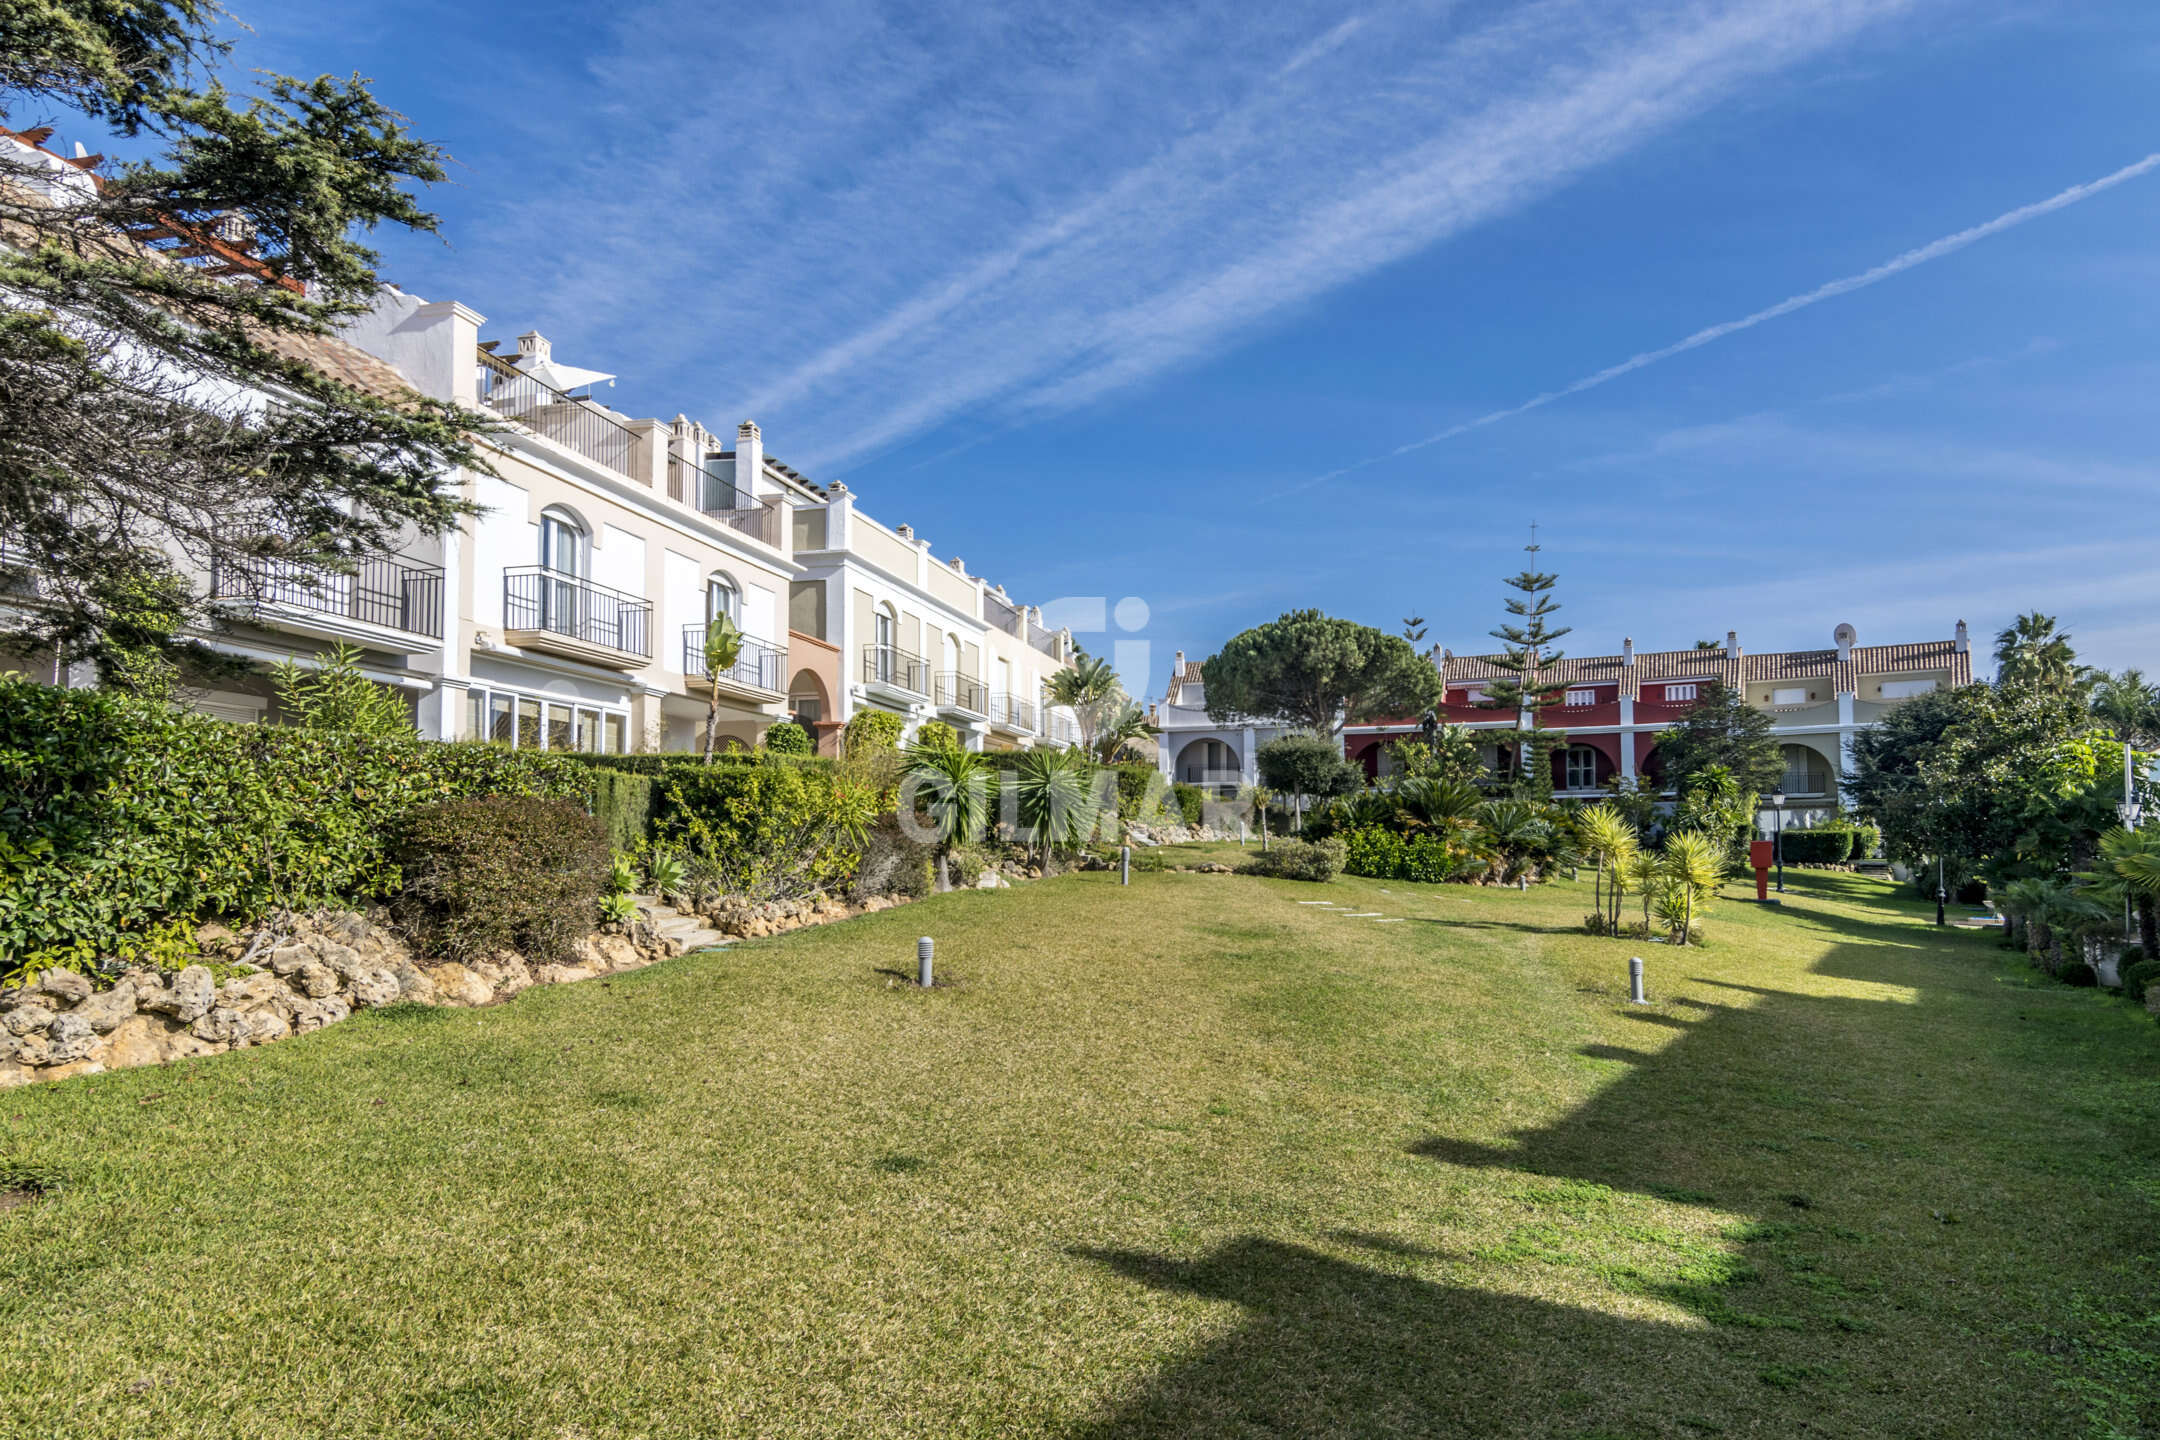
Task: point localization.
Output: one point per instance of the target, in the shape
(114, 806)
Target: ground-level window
(525, 723)
(1581, 768)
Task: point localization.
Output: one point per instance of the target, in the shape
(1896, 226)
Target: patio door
(562, 562)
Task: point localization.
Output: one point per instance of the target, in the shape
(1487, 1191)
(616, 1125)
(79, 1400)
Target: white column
(1627, 737)
(1247, 761)
(1846, 726)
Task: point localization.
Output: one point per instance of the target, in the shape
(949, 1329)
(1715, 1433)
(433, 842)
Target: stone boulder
(190, 998)
(456, 985)
(66, 986)
(27, 1018)
(372, 987)
(105, 1011)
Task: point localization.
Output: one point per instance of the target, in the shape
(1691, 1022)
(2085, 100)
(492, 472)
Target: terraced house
(571, 612)
(1616, 706)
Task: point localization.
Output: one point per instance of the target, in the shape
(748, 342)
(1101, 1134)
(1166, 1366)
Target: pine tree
(1527, 655)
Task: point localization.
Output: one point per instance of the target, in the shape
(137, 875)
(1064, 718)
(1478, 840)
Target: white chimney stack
(1627, 650)
(1964, 639)
(749, 460)
(1732, 644)
(533, 346)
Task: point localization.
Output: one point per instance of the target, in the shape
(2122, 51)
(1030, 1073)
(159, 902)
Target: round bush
(2138, 978)
(502, 873)
(787, 738)
(2080, 974)
(874, 730)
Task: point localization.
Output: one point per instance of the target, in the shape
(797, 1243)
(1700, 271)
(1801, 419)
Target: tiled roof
(1732, 671)
(343, 362)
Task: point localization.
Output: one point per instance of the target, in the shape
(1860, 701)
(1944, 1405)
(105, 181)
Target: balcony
(757, 670)
(570, 616)
(963, 693)
(389, 604)
(714, 496)
(575, 423)
(895, 671)
(1010, 712)
(21, 577)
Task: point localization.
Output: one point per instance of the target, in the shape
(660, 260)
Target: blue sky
(1099, 296)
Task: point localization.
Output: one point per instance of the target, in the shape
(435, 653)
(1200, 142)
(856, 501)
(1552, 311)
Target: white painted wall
(759, 608)
(682, 602)
(618, 561)
(501, 538)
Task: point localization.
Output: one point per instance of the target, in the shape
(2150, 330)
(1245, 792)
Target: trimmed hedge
(2138, 978)
(663, 765)
(117, 814)
(503, 872)
(623, 803)
(787, 738)
(1191, 802)
(1817, 847)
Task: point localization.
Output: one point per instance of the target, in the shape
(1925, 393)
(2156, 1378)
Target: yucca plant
(664, 872)
(1694, 864)
(1609, 839)
(723, 648)
(1054, 806)
(1643, 872)
(952, 788)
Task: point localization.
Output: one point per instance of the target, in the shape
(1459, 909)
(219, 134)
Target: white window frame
(1582, 697)
(1906, 689)
(1789, 695)
(1678, 691)
(482, 698)
(1587, 754)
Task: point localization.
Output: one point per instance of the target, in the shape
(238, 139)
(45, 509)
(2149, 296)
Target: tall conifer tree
(1527, 656)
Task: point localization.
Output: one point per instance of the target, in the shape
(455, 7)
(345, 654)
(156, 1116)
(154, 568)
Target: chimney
(1732, 644)
(1964, 638)
(905, 531)
(1844, 635)
(533, 346)
(1627, 650)
(749, 459)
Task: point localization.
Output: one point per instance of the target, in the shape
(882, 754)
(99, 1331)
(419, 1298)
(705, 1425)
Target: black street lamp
(1940, 894)
(1777, 838)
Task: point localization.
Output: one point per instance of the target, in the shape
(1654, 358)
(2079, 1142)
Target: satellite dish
(1845, 636)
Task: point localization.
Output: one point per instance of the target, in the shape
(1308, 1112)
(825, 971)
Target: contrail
(1934, 250)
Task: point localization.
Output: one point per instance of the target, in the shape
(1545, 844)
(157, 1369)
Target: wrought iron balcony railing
(759, 664)
(961, 692)
(535, 598)
(397, 594)
(890, 665)
(1012, 712)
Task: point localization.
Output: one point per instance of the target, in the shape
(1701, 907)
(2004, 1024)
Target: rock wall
(296, 975)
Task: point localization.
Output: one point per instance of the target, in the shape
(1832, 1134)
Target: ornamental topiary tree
(787, 738)
(1306, 767)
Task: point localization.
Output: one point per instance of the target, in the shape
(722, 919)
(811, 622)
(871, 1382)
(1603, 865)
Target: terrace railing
(574, 423)
(759, 664)
(1012, 712)
(961, 692)
(890, 665)
(535, 598)
(396, 594)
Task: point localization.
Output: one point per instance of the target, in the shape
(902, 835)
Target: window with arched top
(722, 597)
(1581, 771)
(565, 548)
(952, 652)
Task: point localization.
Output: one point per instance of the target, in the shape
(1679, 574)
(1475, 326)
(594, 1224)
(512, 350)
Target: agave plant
(664, 872)
(1438, 802)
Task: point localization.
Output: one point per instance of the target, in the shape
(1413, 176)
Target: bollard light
(925, 945)
(1634, 981)
(1125, 865)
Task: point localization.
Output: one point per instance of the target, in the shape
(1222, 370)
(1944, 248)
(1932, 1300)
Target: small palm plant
(2132, 859)
(1694, 864)
(1610, 839)
(723, 648)
(1258, 798)
(1644, 873)
(953, 789)
(1053, 802)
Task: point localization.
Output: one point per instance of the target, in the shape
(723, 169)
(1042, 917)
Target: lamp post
(2130, 813)
(1777, 838)
(1940, 894)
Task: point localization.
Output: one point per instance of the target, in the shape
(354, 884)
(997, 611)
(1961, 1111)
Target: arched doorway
(1210, 763)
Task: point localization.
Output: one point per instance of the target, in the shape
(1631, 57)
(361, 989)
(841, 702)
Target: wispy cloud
(1845, 285)
(867, 224)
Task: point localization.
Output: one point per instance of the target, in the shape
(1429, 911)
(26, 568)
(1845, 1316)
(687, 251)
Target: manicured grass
(1188, 1159)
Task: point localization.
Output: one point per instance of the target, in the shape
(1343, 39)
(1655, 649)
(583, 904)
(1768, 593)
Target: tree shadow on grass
(1838, 1294)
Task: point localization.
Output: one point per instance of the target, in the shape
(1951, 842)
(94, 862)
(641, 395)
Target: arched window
(952, 652)
(722, 598)
(1807, 772)
(1581, 772)
(564, 546)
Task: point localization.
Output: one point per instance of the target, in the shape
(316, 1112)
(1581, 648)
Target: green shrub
(1382, 854)
(1297, 860)
(622, 802)
(936, 735)
(1191, 802)
(765, 832)
(661, 765)
(2137, 978)
(117, 814)
(1863, 843)
(874, 730)
(893, 862)
(787, 738)
(519, 873)
(2080, 974)
(1817, 847)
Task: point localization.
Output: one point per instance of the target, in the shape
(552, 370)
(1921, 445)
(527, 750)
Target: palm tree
(954, 788)
(723, 647)
(1644, 873)
(1053, 802)
(1120, 728)
(1517, 833)
(2030, 651)
(2128, 706)
(1086, 688)
(2131, 860)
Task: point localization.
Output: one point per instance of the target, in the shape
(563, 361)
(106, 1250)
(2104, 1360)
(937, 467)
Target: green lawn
(1189, 1159)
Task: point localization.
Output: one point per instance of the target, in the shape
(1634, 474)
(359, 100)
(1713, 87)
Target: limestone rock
(27, 1018)
(12, 1075)
(193, 993)
(72, 1039)
(370, 988)
(260, 1027)
(68, 1070)
(11, 996)
(345, 960)
(213, 937)
(315, 979)
(148, 1040)
(334, 1009)
(66, 986)
(562, 974)
(221, 1025)
(104, 1011)
(251, 992)
(287, 959)
(8, 1046)
(456, 985)
(414, 984)
(33, 1049)
(599, 953)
